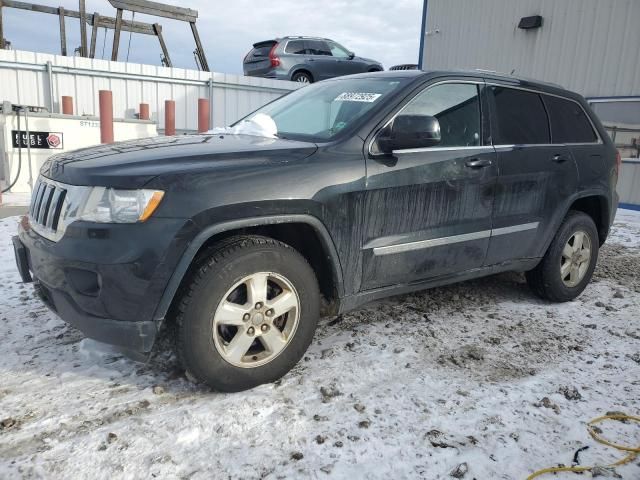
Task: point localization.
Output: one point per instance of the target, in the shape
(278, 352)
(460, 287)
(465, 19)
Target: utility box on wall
(22, 154)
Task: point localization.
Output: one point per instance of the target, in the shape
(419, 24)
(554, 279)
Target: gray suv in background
(304, 59)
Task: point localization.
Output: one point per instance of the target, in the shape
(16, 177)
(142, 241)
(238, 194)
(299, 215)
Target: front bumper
(105, 280)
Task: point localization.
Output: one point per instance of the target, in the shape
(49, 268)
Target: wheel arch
(597, 207)
(319, 250)
(302, 69)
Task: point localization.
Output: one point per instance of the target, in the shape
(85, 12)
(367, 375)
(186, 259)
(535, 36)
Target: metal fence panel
(25, 79)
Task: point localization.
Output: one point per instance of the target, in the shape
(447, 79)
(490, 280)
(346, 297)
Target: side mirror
(351, 55)
(409, 131)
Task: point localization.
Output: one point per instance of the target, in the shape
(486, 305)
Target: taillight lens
(275, 61)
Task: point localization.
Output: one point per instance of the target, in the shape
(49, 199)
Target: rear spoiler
(264, 43)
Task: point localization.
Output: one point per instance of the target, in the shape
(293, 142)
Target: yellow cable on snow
(633, 451)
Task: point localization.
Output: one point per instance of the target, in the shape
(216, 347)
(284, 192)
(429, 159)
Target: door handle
(478, 163)
(559, 158)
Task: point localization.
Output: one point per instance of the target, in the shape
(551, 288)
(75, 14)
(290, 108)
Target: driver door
(428, 210)
(345, 63)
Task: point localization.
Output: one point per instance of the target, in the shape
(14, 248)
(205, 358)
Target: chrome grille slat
(36, 192)
(36, 211)
(46, 204)
(53, 209)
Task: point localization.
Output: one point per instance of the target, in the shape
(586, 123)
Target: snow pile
(477, 380)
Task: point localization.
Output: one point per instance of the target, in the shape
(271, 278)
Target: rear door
(427, 211)
(536, 178)
(571, 126)
(323, 64)
(257, 61)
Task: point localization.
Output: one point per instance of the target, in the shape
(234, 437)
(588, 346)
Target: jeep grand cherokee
(359, 188)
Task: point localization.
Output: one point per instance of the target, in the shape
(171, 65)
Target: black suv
(359, 188)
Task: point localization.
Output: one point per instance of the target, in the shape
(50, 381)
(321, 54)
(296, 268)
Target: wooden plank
(200, 51)
(83, 29)
(94, 35)
(63, 33)
(157, 9)
(106, 22)
(158, 29)
(116, 36)
(127, 26)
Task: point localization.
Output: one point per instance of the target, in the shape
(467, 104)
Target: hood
(133, 163)
(369, 60)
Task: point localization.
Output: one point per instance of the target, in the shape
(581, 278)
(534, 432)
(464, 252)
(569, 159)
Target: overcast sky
(385, 30)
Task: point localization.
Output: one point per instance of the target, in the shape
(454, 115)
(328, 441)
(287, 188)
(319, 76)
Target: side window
(520, 118)
(569, 124)
(318, 47)
(457, 108)
(338, 51)
(295, 47)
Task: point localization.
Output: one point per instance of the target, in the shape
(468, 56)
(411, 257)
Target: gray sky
(385, 30)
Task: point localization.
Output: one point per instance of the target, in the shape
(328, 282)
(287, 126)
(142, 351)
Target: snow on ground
(481, 373)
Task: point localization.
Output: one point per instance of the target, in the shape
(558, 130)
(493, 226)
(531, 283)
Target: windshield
(321, 111)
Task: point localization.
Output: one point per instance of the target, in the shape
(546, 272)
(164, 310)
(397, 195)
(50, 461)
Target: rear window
(261, 49)
(296, 47)
(520, 118)
(569, 124)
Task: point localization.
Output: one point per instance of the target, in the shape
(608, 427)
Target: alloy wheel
(256, 319)
(576, 258)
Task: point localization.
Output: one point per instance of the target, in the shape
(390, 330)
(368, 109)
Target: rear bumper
(105, 280)
(272, 74)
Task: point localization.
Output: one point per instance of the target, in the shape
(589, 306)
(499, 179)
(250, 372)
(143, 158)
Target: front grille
(46, 205)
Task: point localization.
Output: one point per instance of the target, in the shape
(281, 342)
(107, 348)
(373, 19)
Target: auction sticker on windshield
(357, 97)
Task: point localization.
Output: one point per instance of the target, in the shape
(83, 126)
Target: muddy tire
(568, 265)
(248, 313)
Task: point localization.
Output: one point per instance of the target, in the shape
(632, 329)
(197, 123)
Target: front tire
(248, 314)
(567, 267)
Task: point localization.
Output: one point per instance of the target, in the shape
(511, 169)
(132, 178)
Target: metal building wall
(41, 79)
(589, 46)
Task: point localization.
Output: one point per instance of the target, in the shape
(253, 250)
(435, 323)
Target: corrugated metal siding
(589, 46)
(233, 96)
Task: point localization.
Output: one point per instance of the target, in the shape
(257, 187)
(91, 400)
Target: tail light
(618, 163)
(275, 61)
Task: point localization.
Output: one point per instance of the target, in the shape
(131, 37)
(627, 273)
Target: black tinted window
(457, 109)
(296, 47)
(569, 124)
(520, 118)
(318, 47)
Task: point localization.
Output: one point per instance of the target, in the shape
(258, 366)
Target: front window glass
(338, 51)
(621, 119)
(457, 108)
(322, 110)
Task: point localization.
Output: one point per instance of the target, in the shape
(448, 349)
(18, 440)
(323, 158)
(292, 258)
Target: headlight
(108, 205)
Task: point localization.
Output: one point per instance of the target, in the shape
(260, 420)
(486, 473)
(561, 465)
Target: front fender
(207, 233)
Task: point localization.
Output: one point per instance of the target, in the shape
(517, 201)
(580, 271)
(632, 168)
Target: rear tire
(262, 344)
(568, 265)
(302, 77)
